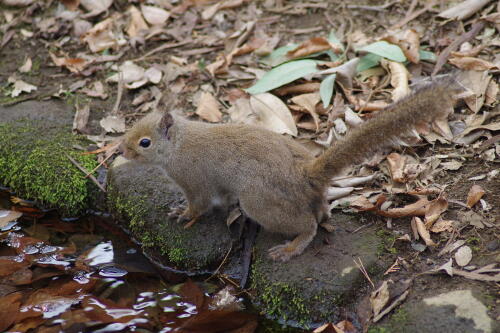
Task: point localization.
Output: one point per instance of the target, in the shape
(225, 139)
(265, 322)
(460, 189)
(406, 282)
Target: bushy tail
(425, 104)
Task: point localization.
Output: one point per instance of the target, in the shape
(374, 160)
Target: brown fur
(275, 180)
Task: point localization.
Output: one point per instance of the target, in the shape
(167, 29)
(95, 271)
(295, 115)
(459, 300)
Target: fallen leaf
(476, 192)
(396, 167)
(379, 298)
(463, 9)
(154, 15)
(423, 232)
(113, 124)
(442, 225)
(283, 74)
(491, 95)
(81, 118)
(101, 36)
(447, 267)
(313, 45)
(95, 90)
(409, 42)
(137, 23)
(233, 216)
(7, 216)
(20, 86)
(95, 7)
(272, 113)
(476, 82)
(386, 50)
(75, 65)
(208, 108)
(435, 208)
(470, 63)
(399, 80)
(308, 102)
(463, 256)
(26, 67)
(9, 308)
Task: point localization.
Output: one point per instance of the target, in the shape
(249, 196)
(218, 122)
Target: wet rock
(36, 140)
(493, 245)
(447, 312)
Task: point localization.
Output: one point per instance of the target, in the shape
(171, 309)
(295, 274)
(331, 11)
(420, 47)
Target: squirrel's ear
(165, 123)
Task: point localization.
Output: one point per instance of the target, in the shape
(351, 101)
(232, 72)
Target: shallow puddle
(85, 275)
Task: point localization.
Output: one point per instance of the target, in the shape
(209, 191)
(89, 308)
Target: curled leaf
(476, 192)
(208, 108)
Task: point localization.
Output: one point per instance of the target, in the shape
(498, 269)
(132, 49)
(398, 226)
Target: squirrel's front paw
(176, 213)
(282, 252)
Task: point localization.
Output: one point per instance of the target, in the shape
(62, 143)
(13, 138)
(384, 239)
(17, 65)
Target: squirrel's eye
(145, 143)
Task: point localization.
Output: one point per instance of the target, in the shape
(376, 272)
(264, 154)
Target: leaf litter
(314, 87)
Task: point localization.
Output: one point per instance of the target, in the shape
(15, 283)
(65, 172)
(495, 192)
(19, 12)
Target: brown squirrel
(276, 181)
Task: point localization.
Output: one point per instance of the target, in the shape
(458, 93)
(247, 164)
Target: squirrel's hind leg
(291, 249)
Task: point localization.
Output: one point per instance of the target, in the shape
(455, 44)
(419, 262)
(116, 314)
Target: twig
(221, 264)
(443, 57)
(119, 94)
(413, 16)
(161, 48)
(362, 227)
(375, 8)
(100, 164)
(91, 177)
(363, 270)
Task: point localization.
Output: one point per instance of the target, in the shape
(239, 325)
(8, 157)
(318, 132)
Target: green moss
(387, 244)
(34, 162)
(135, 212)
(396, 323)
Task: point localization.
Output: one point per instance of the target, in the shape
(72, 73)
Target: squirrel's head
(145, 141)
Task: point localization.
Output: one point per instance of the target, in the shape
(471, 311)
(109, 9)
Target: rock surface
(448, 312)
(36, 141)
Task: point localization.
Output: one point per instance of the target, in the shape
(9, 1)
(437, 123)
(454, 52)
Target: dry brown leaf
(435, 208)
(379, 298)
(399, 79)
(101, 35)
(470, 63)
(7, 216)
(26, 67)
(472, 52)
(96, 90)
(396, 166)
(81, 118)
(308, 102)
(313, 45)
(442, 225)
(113, 124)
(71, 4)
(154, 15)
(20, 86)
(74, 65)
(208, 108)
(491, 95)
(137, 23)
(210, 11)
(303, 88)
(463, 9)
(423, 232)
(409, 42)
(476, 192)
(272, 113)
(476, 82)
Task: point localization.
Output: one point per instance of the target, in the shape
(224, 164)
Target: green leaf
(386, 50)
(278, 56)
(368, 61)
(326, 89)
(332, 38)
(427, 55)
(283, 74)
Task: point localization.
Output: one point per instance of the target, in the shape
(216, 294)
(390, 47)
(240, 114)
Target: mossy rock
(141, 197)
(455, 310)
(34, 159)
(321, 283)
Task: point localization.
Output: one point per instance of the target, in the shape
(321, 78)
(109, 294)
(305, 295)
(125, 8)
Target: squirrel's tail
(425, 104)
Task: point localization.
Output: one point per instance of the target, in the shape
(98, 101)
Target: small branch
(363, 270)
(443, 57)
(413, 16)
(92, 178)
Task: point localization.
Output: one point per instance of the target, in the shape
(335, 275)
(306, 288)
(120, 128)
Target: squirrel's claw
(282, 252)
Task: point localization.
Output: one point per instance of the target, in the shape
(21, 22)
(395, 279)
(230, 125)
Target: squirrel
(276, 181)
